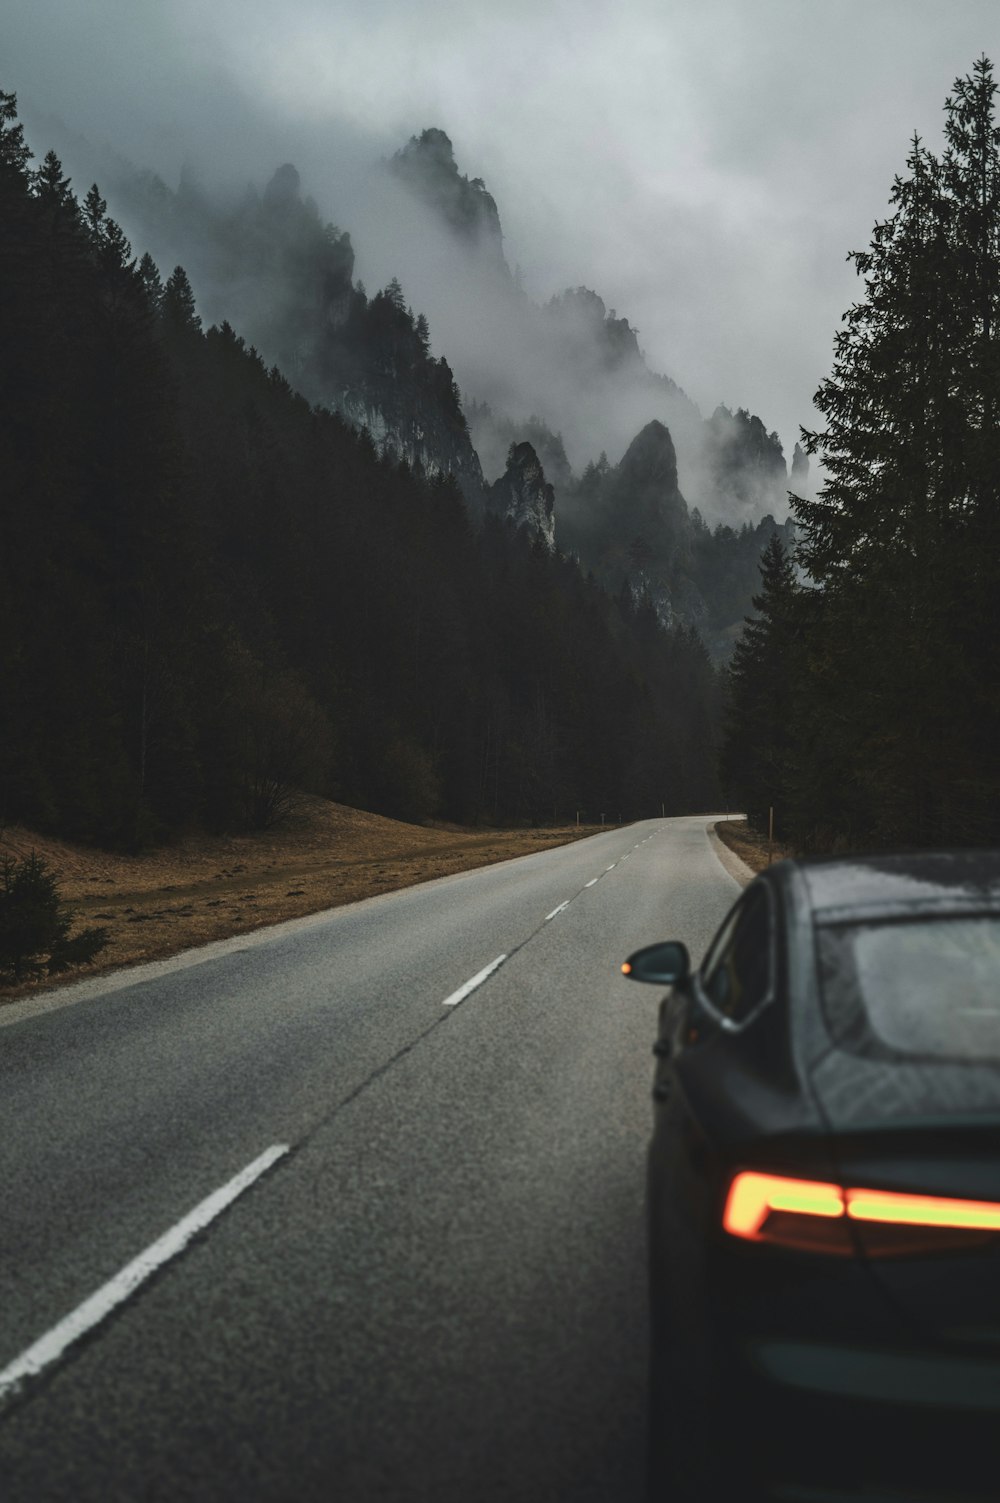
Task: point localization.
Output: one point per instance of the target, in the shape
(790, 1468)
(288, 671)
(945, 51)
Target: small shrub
(34, 925)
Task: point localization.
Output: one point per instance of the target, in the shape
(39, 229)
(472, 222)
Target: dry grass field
(210, 887)
(749, 845)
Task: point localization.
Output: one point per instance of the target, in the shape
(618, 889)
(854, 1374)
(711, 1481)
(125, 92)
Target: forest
(864, 703)
(215, 593)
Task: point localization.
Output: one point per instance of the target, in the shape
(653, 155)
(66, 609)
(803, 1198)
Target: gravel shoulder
(745, 852)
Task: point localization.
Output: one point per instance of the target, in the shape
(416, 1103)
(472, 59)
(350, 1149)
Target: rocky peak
(800, 469)
(581, 317)
(522, 494)
(427, 167)
(650, 459)
(745, 463)
(644, 504)
(283, 189)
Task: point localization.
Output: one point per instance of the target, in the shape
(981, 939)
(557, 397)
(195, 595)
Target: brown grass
(750, 846)
(211, 887)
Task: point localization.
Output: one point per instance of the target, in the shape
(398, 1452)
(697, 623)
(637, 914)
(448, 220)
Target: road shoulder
(731, 863)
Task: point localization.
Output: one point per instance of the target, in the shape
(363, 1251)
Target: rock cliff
(426, 166)
(523, 496)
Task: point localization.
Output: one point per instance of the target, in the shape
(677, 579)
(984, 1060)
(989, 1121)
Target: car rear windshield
(917, 987)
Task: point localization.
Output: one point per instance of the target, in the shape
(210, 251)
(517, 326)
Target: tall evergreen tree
(177, 307)
(757, 753)
(52, 187)
(15, 153)
(95, 209)
(151, 282)
(903, 538)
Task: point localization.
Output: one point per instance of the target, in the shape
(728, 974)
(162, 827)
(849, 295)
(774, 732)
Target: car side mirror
(663, 964)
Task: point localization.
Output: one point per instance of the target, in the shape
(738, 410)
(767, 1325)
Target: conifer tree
(95, 210)
(34, 925)
(52, 187)
(757, 755)
(178, 305)
(903, 538)
(151, 282)
(14, 151)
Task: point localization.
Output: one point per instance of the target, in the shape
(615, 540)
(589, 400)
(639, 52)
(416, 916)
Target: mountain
(522, 495)
(492, 435)
(267, 264)
(574, 364)
(631, 517)
(745, 462)
(630, 525)
(426, 166)
(222, 593)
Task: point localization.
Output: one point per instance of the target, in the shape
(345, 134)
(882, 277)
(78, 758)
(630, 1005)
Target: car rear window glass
(928, 987)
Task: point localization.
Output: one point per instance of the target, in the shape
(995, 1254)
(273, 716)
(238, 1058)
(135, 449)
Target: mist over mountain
(220, 593)
(426, 166)
(633, 527)
(573, 364)
(644, 524)
(265, 261)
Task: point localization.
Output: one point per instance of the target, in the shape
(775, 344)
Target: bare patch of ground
(749, 845)
(206, 887)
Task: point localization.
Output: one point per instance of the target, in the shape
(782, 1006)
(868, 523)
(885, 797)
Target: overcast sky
(705, 165)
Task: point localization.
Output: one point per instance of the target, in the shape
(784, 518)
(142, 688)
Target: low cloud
(705, 169)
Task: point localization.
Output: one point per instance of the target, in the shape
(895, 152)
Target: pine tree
(95, 210)
(52, 188)
(34, 925)
(14, 151)
(151, 282)
(903, 538)
(757, 753)
(178, 305)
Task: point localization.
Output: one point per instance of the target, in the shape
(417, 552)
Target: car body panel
(787, 1348)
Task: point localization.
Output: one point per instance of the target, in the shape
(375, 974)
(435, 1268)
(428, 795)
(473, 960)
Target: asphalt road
(438, 1291)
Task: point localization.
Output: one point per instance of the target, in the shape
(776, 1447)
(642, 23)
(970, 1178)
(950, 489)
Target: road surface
(348, 1209)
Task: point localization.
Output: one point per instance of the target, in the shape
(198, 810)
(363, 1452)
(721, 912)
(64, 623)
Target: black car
(824, 1189)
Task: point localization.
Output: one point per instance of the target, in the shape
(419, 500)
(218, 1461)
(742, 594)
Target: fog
(704, 168)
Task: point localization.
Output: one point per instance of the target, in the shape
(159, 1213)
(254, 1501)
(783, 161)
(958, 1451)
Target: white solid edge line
(591, 882)
(477, 980)
(48, 1348)
(556, 911)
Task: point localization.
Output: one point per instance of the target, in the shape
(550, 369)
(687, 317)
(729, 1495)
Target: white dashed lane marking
(50, 1347)
(476, 980)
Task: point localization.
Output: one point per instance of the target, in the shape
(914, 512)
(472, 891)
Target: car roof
(903, 885)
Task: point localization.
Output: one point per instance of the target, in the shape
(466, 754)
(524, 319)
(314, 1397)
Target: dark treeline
(865, 702)
(213, 592)
(267, 264)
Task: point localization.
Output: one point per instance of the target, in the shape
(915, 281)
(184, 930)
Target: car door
(734, 980)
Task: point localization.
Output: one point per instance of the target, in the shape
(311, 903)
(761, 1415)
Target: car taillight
(818, 1216)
